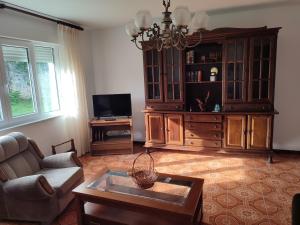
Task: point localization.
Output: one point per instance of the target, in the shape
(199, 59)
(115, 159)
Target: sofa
(33, 187)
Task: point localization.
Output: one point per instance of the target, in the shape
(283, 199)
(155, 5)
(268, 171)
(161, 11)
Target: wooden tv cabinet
(103, 143)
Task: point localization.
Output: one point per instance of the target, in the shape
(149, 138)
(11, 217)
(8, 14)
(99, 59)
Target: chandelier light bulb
(143, 19)
(181, 16)
(131, 29)
(198, 21)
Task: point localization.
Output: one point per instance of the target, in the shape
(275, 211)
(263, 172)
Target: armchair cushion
(62, 160)
(34, 187)
(62, 180)
(12, 144)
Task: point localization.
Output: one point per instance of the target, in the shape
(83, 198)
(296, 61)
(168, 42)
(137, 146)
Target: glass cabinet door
(235, 70)
(261, 69)
(173, 75)
(153, 80)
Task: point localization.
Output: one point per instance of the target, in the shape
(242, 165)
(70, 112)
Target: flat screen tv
(115, 105)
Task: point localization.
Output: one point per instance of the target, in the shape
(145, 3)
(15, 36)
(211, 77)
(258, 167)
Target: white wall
(16, 25)
(118, 67)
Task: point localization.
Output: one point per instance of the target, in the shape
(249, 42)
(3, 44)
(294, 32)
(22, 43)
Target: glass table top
(165, 189)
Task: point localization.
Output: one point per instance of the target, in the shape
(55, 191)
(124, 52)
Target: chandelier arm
(159, 46)
(180, 45)
(142, 35)
(136, 43)
(200, 40)
(177, 40)
(182, 40)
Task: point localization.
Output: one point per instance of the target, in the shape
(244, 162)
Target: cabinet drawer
(164, 106)
(203, 143)
(203, 126)
(203, 118)
(196, 134)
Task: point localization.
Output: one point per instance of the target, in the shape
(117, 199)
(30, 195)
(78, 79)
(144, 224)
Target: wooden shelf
(203, 82)
(203, 63)
(115, 139)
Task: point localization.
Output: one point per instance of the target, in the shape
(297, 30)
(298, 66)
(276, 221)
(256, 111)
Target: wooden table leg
(80, 211)
(199, 212)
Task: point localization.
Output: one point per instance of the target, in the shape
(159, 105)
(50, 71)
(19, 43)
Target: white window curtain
(73, 90)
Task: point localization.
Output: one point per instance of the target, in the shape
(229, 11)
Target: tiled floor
(238, 190)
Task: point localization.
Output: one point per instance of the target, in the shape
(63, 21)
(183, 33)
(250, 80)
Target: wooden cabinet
(235, 68)
(174, 129)
(249, 75)
(218, 94)
(251, 132)
(203, 131)
(153, 76)
(235, 131)
(259, 132)
(154, 128)
(173, 85)
(163, 79)
(262, 71)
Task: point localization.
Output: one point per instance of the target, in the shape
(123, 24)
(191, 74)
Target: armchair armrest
(34, 187)
(62, 160)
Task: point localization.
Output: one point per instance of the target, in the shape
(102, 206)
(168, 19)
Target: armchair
(34, 187)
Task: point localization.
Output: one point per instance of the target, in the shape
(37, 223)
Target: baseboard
(283, 151)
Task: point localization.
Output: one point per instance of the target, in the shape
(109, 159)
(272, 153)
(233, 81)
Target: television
(113, 105)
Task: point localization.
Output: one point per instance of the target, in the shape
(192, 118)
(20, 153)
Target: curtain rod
(4, 6)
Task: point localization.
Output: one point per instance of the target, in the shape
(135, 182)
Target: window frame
(8, 120)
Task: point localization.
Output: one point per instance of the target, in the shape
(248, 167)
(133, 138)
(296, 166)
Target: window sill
(13, 125)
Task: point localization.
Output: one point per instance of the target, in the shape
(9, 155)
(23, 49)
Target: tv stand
(104, 144)
(110, 119)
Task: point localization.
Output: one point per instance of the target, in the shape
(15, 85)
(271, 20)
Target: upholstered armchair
(34, 187)
(296, 209)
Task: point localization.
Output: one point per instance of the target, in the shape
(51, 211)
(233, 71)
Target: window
(46, 79)
(28, 82)
(16, 65)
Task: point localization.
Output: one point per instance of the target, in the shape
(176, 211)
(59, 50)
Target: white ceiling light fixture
(173, 30)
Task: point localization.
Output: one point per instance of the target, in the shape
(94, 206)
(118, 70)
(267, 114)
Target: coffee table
(113, 198)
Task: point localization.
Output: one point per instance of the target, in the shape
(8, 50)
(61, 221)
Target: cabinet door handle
(215, 118)
(192, 135)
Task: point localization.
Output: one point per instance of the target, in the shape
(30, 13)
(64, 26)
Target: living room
(221, 171)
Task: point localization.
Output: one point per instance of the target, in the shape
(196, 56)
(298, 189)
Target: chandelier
(173, 31)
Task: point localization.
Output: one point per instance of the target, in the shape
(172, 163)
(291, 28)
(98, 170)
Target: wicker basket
(145, 175)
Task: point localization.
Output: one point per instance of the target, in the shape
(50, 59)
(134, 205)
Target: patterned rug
(239, 189)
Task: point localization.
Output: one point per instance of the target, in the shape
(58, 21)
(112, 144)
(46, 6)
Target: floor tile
(238, 189)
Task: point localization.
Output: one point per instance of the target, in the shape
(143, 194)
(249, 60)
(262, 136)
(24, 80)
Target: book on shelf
(194, 76)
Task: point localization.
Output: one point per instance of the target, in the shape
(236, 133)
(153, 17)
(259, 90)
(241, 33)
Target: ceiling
(97, 14)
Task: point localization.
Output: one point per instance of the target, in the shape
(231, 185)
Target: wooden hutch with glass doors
(216, 95)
